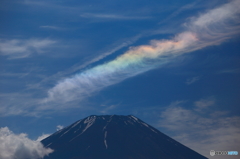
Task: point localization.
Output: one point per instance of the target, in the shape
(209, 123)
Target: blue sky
(174, 64)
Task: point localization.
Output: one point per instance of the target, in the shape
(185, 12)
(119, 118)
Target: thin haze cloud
(51, 27)
(17, 48)
(192, 80)
(203, 128)
(174, 14)
(210, 28)
(112, 16)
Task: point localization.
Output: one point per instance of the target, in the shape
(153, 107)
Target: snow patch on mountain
(108, 122)
(145, 124)
(105, 141)
(134, 117)
(88, 122)
(65, 132)
(76, 123)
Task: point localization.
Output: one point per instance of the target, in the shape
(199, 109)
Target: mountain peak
(114, 136)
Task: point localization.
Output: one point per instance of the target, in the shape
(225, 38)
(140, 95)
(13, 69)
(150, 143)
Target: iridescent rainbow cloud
(211, 28)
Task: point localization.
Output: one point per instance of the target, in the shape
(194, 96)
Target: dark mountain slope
(115, 137)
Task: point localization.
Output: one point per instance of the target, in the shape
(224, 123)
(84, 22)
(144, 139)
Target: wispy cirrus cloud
(180, 10)
(192, 80)
(20, 146)
(204, 130)
(210, 28)
(92, 59)
(106, 109)
(229, 71)
(30, 103)
(113, 16)
(22, 48)
(51, 27)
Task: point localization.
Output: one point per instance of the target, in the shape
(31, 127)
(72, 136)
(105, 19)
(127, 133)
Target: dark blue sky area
(174, 64)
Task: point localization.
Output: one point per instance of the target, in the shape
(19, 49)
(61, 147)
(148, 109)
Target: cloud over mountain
(20, 146)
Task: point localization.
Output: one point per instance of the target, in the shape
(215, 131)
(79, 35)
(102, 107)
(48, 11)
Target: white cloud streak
(210, 28)
(106, 109)
(51, 27)
(229, 71)
(29, 105)
(16, 48)
(18, 146)
(112, 16)
(202, 131)
(192, 80)
(80, 66)
(182, 9)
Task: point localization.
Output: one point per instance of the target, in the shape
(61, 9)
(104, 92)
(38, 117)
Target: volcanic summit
(115, 137)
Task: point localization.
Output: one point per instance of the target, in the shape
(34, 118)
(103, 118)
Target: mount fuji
(114, 137)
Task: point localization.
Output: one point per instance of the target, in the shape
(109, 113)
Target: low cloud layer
(59, 127)
(43, 136)
(202, 128)
(19, 146)
(210, 28)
